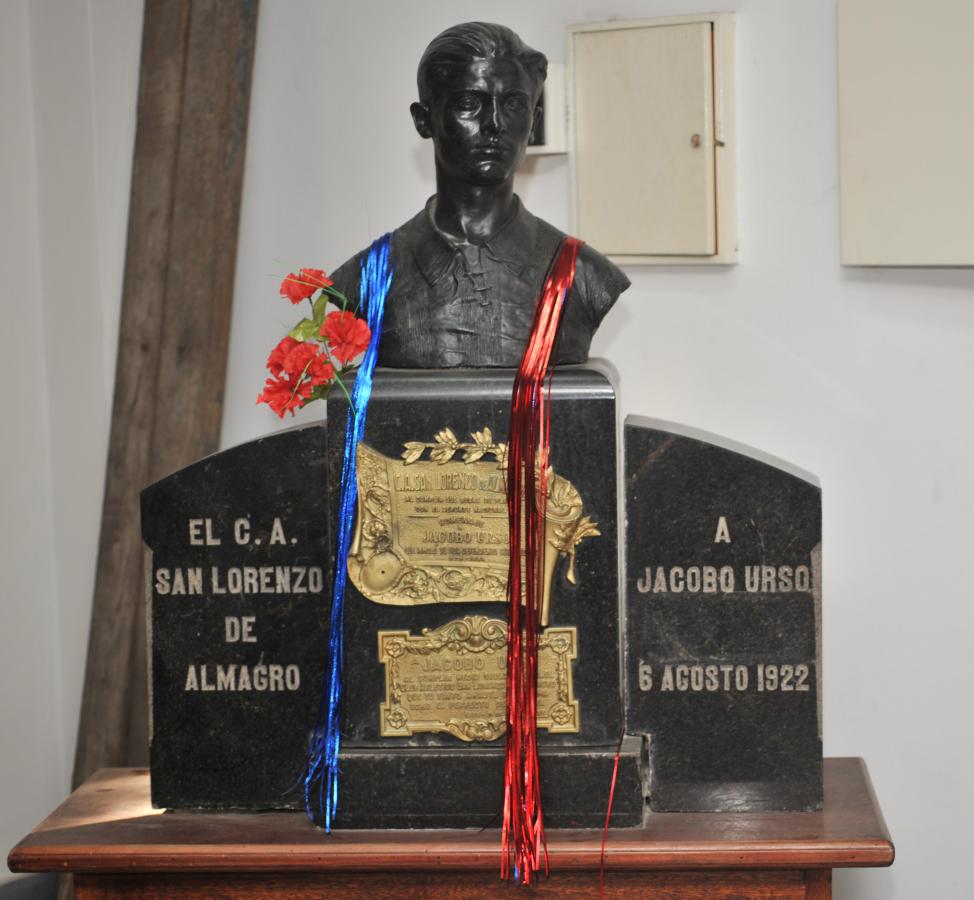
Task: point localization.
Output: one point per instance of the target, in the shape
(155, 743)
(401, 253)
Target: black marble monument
(237, 590)
(723, 612)
(713, 674)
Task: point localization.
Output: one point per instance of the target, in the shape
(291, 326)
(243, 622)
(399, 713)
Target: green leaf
(305, 330)
(319, 308)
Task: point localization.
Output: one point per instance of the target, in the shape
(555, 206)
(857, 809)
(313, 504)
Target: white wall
(859, 376)
(68, 83)
(863, 377)
(32, 739)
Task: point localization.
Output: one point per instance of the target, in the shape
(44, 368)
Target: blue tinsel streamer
(321, 778)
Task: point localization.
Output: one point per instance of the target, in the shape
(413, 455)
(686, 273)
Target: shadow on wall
(30, 887)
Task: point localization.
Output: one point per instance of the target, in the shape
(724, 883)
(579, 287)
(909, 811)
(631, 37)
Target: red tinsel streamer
(522, 840)
(608, 818)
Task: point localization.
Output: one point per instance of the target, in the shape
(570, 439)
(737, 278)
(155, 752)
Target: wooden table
(107, 833)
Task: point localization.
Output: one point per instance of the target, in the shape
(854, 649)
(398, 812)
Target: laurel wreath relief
(446, 445)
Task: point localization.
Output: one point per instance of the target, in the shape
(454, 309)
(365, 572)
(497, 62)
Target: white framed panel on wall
(906, 132)
(651, 138)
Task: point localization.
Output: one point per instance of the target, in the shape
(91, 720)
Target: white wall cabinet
(651, 138)
(906, 132)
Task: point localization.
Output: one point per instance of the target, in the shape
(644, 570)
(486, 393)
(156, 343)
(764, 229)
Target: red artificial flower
(284, 394)
(275, 362)
(347, 335)
(297, 367)
(308, 359)
(301, 285)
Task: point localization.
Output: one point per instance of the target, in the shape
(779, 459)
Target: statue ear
(421, 119)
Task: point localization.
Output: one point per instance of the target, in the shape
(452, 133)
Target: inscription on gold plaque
(435, 530)
(452, 679)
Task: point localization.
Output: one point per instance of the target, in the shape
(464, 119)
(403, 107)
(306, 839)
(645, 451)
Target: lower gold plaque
(452, 679)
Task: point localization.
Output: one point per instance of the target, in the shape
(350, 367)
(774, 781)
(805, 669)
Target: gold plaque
(435, 530)
(452, 679)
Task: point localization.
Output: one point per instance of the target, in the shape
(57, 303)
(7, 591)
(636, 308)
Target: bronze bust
(468, 268)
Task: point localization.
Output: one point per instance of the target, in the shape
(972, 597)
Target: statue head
(479, 87)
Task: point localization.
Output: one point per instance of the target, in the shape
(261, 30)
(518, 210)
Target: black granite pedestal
(425, 614)
(450, 504)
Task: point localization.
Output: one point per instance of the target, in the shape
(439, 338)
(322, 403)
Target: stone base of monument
(426, 631)
(438, 788)
(722, 637)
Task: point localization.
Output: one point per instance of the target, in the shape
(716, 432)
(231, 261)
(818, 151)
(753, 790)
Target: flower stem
(334, 292)
(338, 374)
(348, 396)
(297, 383)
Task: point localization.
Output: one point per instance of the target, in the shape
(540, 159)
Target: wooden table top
(108, 825)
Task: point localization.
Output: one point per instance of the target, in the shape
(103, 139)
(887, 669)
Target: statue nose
(493, 121)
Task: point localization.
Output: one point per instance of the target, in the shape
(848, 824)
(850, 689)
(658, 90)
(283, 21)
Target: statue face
(481, 122)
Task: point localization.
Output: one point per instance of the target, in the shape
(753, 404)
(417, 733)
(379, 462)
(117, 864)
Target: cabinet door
(650, 127)
(644, 139)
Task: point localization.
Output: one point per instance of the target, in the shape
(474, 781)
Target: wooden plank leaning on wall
(177, 295)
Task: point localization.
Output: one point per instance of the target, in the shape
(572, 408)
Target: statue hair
(462, 44)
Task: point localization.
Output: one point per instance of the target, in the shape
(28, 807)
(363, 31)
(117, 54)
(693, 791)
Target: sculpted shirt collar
(435, 252)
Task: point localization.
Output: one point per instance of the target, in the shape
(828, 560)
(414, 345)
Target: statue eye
(515, 103)
(466, 102)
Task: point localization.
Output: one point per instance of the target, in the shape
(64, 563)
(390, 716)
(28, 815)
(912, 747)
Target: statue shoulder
(601, 280)
(598, 281)
(347, 275)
